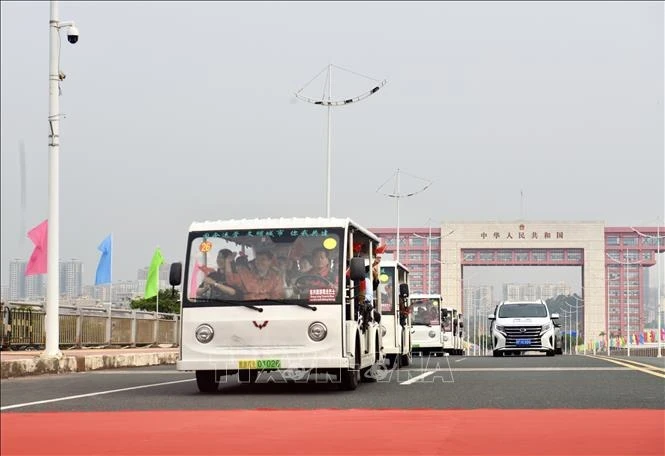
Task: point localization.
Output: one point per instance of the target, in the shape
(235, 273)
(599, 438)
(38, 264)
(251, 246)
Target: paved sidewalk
(24, 363)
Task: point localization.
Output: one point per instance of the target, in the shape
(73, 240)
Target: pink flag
(39, 236)
(194, 281)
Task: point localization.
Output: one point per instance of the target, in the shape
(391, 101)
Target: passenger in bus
(214, 286)
(321, 266)
(261, 282)
(387, 297)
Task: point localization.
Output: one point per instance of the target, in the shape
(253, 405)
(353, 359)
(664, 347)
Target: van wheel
(550, 353)
(206, 380)
(405, 360)
(496, 353)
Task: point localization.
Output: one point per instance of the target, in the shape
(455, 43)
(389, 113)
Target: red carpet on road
(338, 432)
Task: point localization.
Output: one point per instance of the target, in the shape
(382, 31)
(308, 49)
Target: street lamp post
(330, 103)
(52, 345)
(429, 253)
(397, 195)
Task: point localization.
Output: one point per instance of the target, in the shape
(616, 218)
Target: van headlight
(317, 331)
(204, 333)
(431, 333)
(500, 328)
(547, 327)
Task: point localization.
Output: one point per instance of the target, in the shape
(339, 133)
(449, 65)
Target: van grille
(522, 332)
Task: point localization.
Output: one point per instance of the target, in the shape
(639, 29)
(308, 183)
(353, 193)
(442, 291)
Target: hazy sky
(178, 112)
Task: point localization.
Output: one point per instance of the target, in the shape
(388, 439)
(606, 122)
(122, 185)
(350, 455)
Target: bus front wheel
(206, 380)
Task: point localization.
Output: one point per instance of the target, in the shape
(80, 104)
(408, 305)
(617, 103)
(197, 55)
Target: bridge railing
(23, 327)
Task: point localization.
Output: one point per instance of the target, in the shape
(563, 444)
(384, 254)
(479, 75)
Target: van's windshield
(523, 310)
(270, 266)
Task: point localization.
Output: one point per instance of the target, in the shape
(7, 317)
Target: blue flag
(104, 267)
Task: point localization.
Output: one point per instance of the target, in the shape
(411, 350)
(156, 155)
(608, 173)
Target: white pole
(429, 269)
(52, 346)
(660, 277)
(607, 330)
(628, 307)
(397, 197)
(565, 326)
(328, 167)
(577, 326)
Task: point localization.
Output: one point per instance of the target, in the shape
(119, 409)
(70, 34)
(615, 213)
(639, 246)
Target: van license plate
(523, 342)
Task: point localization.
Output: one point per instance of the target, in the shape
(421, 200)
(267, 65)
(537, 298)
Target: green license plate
(260, 364)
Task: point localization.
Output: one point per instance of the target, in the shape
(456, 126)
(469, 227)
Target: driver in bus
(321, 266)
(214, 286)
(261, 282)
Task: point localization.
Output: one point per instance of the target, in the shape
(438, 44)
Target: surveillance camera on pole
(52, 345)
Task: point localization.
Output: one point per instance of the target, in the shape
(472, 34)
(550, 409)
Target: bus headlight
(431, 333)
(317, 331)
(204, 333)
(445, 338)
(383, 331)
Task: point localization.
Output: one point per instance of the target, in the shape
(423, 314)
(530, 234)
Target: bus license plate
(260, 364)
(523, 342)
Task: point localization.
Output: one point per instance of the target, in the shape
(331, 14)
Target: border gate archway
(529, 244)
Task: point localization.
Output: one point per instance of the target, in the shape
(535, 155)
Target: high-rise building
(71, 278)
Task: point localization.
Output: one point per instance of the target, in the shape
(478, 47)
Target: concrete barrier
(15, 364)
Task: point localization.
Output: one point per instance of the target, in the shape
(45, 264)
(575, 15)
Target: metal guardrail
(22, 327)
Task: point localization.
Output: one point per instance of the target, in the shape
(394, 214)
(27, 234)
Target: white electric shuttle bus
(393, 297)
(277, 294)
(426, 335)
(451, 331)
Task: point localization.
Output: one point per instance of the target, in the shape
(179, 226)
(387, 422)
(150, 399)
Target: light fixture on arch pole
(397, 195)
(329, 102)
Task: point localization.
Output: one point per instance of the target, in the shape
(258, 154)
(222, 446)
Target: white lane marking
(415, 379)
(99, 393)
(458, 360)
(518, 369)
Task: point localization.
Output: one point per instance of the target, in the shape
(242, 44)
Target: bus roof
(277, 223)
(426, 295)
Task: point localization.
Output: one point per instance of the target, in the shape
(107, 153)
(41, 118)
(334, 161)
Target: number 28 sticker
(205, 246)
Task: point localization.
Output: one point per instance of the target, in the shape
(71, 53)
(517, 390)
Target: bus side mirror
(175, 274)
(357, 269)
(404, 290)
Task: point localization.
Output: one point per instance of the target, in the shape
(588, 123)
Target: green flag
(152, 282)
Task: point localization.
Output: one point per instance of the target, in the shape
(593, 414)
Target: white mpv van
(521, 326)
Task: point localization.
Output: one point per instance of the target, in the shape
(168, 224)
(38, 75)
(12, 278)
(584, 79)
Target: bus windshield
(266, 267)
(387, 290)
(425, 311)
